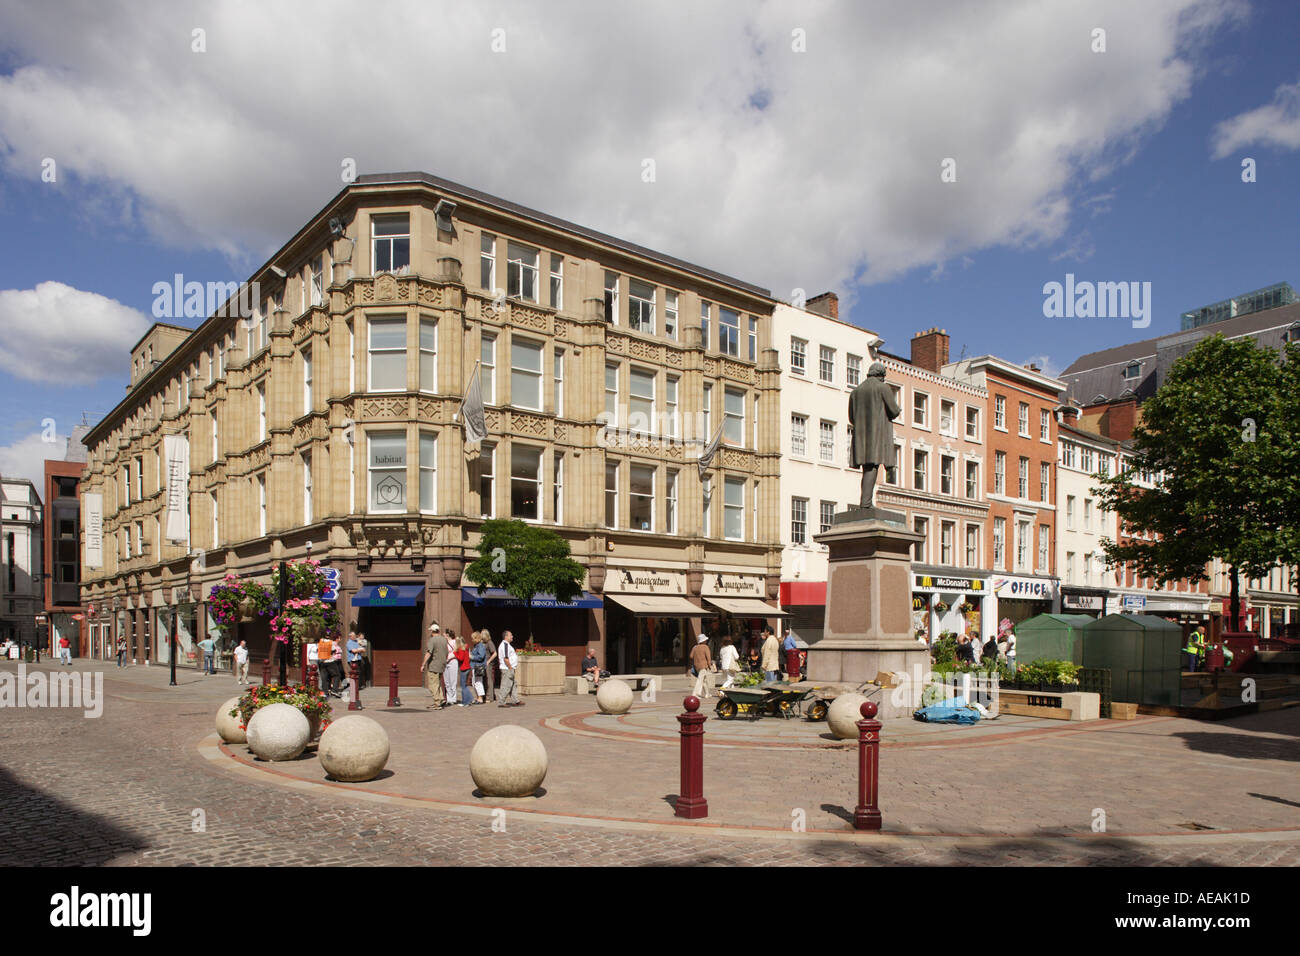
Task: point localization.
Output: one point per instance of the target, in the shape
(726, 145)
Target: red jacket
(462, 655)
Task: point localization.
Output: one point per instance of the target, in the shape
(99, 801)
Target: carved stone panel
(385, 288)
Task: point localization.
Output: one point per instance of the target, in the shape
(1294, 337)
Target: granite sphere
(227, 726)
(353, 748)
(843, 715)
(614, 696)
(508, 761)
(278, 732)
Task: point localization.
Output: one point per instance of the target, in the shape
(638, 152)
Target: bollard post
(354, 703)
(866, 815)
(311, 677)
(393, 699)
(690, 802)
(266, 671)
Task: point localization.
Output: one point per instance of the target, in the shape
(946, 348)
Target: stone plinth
(869, 608)
(508, 761)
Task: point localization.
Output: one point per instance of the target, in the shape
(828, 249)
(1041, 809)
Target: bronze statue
(872, 411)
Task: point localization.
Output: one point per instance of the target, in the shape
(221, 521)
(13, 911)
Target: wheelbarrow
(765, 700)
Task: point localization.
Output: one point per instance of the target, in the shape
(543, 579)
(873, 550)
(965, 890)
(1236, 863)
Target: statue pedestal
(869, 609)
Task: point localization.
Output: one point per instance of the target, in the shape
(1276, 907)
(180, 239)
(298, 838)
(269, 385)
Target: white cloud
(787, 169)
(1045, 363)
(57, 334)
(26, 457)
(1273, 124)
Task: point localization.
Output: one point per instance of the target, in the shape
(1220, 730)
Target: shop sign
(1133, 602)
(927, 582)
(919, 604)
(1025, 589)
(732, 585)
(645, 581)
(1083, 602)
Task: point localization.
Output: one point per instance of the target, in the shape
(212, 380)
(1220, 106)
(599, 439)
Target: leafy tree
(1214, 437)
(525, 560)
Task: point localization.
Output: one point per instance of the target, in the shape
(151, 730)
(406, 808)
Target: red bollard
(354, 703)
(690, 802)
(311, 677)
(266, 671)
(393, 699)
(866, 815)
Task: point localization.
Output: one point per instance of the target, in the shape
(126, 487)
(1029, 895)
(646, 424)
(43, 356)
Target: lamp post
(283, 597)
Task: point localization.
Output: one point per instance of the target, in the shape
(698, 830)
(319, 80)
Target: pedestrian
(489, 670)
(241, 663)
(990, 652)
(464, 670)
(325, 665)
(354, 657)
(340, 678)
(121, 652)
(770, 655)
(65, 650)
(450, 668)
(965, 652)
(791, 656)
(591, 667)
(730, 659)
(975, 647)
(1190, 657)
(702, 664)
(364, 650)
(209, 647)
(478, 664)
(435, 660)
(1011, 651)
(509, 662)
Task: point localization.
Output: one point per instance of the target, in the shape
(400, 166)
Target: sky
(933, 163)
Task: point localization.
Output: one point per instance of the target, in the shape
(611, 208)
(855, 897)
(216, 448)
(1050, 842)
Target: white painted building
(1081, 523)
(21, 596)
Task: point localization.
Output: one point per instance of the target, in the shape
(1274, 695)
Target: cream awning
(746, 607)
(658, 605)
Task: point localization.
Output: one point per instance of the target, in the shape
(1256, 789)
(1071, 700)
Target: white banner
(93, 523)
(176, 453)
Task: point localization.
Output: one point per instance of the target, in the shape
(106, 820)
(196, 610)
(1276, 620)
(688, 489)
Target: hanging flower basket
(247, 610)
(236, 599)
(313, 631)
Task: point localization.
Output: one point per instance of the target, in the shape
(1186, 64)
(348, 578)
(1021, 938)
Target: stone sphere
(614, 697)
(843, 715)
(278, 732)
(353, 748)
(508, 761)
(227, 726)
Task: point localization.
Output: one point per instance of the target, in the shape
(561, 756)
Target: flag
(176, 453)
(711, 449)
(471, 407)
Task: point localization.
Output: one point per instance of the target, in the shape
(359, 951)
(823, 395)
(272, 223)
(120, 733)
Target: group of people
(461, 670)
(765, 656)
(330, 654)
(1002, 647)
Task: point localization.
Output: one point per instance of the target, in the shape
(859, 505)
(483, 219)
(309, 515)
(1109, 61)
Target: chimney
(1119, 419)
(1070, 415)
(930, 349)
(827, 304)
(1033, 367)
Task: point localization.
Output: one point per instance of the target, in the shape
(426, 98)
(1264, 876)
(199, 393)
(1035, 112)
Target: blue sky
(815, 168)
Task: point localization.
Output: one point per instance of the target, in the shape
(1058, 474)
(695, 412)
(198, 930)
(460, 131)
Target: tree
(1285, 463)
(1213, 437)
(525, 560)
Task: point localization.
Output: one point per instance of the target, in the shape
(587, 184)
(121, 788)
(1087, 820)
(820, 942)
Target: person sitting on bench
(591, 669)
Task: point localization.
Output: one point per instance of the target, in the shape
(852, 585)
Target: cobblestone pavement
(123, 790)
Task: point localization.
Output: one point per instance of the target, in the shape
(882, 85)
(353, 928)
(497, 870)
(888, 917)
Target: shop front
(1018, 598)
(650, 623)
(391, 615)
(565, 626)
(943, 603)
(741, 611)
(181, 617)
(1089, 601)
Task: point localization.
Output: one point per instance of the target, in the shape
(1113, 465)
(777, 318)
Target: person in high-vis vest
(1202, 645)
(1190, 655)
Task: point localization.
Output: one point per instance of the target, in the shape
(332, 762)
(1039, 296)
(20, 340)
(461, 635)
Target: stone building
(21, 569)
(319, 408)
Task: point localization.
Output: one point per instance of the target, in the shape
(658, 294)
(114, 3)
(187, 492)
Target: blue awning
(389, 595)
(498, 597)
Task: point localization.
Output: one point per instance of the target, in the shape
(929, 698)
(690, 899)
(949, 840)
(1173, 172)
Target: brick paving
(121, 790)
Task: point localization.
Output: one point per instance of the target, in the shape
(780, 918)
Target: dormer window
(1292, 334)
(1132, 371)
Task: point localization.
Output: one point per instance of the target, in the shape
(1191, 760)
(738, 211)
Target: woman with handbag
(478, 664)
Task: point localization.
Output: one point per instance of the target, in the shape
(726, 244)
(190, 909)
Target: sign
(732, 585)
(176, 452)
(1133, 602)
(645, 581)
(1083, 602)
(926, 582)
(331, 592)
(1025, 589)
(94, 525)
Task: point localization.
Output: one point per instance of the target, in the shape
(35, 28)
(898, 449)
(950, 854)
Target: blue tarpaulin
(955, 711)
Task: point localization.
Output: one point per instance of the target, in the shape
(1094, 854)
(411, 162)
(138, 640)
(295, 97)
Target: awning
(499, 597)
(746, 607)
(389, 595)
(659, 605)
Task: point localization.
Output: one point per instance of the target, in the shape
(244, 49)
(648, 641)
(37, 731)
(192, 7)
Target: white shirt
(506, 656)
(729, 657)
(241, 654)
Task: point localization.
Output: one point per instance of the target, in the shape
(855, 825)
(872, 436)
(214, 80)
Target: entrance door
(394, 636)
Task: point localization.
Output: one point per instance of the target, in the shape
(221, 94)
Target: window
(611, 297)
(1069, 512)
(892, 470)
(306, 382)
(261, 413)
(670, 314)
(733, 510)
(1023, 419)
(428, 472)
(1000, 413)
(670, 405)
(641, 307)
(1068, 454)
(1022, 483)
(708, 412)
(487, 264)
(826, 433)
(261, 506)
(216, 439)
(487, 469)
(1132, 371)
(185, 386)
(972, 423)
(853, 370)
(1024, 541)
(641, 498)
(922, 527)
(799, 435)
(1103, 465)
(1000, 473)
(390, 243)
(387, 467)
(753, 339)
(557, 488)
(920, 409)
(221, 359)
(999, 543)
(972, 480)
(728, 331)
(387, 354)
(557, 282)
(641, 400)
(216, 523)
(920, 464)
(525, 482)
(1069, 566)
(139, 478)
(827, 515)
(799, 520)
(611, 494)
(1044, 546)
(947, 474)
(1087, 567)
(948, 417)
(1085, 460)
(307, 516)
(525, 373)
(798, 356)
(670, 515)
(947, 534)
(1087, 514)
(352, 358)
(1044, 480)
(521, 272)
(705, 312)
(126, 546)
(488, 367)
(733, 416)
(317, 281)
(972, 546)
(1044, 425)
(826, 364)
(428, 355)
(558, 376)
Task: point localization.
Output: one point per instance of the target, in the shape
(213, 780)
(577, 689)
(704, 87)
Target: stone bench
(578, 684)
(1077, 705)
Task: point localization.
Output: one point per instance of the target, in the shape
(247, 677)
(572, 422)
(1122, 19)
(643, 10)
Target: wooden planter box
(541, 674)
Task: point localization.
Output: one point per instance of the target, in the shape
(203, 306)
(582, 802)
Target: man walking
(771, 651)
(435, 662)
(702, 661)
(509, 661)
(241, 663)
(209, 647)
(325, 665)
(65, 650)
(121, 652)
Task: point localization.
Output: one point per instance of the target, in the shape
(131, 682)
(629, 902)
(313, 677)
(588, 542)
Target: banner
(706, 456)
(93, 523)
(176, 452)
(472, 409)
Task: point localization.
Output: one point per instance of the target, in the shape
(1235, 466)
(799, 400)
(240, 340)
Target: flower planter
(312, 632)
(247, 610)
(541, 673)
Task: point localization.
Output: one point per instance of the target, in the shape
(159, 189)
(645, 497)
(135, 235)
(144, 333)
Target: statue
(872, 410)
